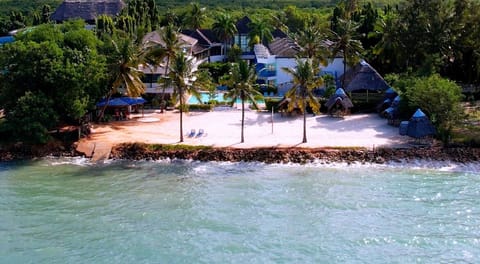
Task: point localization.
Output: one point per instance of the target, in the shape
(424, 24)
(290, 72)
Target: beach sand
(222, 129)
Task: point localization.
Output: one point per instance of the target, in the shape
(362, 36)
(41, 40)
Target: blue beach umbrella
(121, 101)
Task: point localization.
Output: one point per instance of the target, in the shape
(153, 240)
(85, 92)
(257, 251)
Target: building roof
(87, 10)
(154, 36)
(284, 47)
(243, 27)
(364, 77)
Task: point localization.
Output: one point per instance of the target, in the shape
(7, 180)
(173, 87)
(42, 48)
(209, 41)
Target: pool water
(205, 98)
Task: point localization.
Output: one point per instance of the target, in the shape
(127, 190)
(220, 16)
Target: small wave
(78, 161)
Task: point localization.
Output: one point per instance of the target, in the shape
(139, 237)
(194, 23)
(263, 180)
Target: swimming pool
(205, 98)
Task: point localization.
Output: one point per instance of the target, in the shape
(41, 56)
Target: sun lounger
(200, 133)
(192, 133)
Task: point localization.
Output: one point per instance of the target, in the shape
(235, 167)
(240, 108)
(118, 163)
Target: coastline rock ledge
(140, 151)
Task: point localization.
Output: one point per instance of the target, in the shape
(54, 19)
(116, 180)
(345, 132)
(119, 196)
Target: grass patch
(161, 147)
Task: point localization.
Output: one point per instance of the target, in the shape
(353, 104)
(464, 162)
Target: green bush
(201, 107)
(272, 102)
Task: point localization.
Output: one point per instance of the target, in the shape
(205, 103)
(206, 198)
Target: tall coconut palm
(262, 28)
(242, 86)
(125, 55)
(345, 41)
(312, 41)
(170, 45)
(224, 27)
(182, 75)
(305, 80)
(196, 16)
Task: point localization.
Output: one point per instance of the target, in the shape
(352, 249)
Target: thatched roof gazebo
(363, 77)
(339, 104)
(87, 10)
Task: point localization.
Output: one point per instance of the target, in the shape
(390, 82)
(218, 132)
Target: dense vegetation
(62, 70)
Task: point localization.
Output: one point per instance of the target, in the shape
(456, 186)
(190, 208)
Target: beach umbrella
(420, 126)
(121, 101)
(116, 102)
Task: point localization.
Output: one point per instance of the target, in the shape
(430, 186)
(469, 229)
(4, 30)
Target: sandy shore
(222, 129)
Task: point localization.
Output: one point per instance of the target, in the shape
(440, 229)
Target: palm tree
(262, 29)
(125, 56)
(388, 47)
(311, 39)
(242, 81)
(196, 16)
(224, 27)
(170, 45)
(305, 80)
(182, 75)
(345, 41)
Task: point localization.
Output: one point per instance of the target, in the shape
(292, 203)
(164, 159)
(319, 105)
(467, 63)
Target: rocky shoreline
(139, 151)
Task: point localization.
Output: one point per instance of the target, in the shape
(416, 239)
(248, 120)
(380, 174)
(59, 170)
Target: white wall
(335, 66)
(282, 76)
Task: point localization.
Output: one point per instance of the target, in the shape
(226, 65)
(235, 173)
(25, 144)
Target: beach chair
(200, 133)
(191, 134)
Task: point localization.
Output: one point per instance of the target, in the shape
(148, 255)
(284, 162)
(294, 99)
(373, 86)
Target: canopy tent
(121, 101)
(339, 103)
(420, 126)
(363, 77)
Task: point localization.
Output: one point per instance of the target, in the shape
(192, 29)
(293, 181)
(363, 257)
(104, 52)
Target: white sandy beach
(222, 129)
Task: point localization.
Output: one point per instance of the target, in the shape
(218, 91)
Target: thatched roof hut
(363, 77)
(339, 104)
(87, 10)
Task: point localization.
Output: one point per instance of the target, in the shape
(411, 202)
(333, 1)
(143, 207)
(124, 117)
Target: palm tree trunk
(243, 120)
(181, 115)
(304, 121)
(162, 102)
(344, 68)
(102, 112)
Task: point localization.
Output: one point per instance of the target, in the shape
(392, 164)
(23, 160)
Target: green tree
(242, 83)
(345, 42)
(440, 99)
(312, 41)
(224, 27)
(388, 50)
(104, 25)
(305, 80)
(144, 13)
(65, 73)
(170, 46)
(31, 118)
(196, 16)
(183, 76)
(262, 28)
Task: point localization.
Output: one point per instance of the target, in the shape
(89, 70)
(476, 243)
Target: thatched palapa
(364, 77)
(339, 104)
(87, 10)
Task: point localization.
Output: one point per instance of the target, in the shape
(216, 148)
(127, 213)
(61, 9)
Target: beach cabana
(339, 103)
(419, 126)
(363, 78)
(122, 105)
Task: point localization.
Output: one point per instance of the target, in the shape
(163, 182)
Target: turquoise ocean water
(69, 211)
